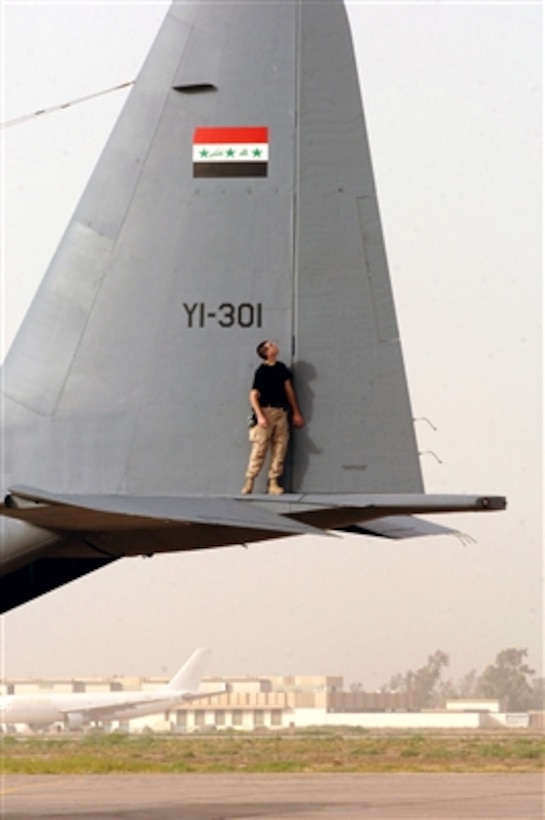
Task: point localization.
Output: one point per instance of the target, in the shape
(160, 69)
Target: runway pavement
(290, 797)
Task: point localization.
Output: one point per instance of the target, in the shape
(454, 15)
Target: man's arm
(256, 407)
(296, 415)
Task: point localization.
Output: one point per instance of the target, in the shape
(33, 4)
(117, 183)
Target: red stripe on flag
(213, 135)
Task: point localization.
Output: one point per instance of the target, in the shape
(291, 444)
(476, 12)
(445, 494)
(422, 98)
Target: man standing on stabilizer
(271, 397)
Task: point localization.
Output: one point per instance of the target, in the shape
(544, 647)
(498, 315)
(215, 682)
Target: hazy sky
(453, 98)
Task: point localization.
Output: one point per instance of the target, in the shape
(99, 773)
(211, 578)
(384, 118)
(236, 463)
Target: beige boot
(274, 487)
(248, 487)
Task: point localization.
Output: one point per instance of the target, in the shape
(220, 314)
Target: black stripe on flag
(230, 169)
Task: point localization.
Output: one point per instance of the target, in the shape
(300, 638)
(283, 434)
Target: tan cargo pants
(276, 436)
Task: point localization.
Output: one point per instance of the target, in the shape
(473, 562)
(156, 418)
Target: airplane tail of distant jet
(188, 677)
(234, 201)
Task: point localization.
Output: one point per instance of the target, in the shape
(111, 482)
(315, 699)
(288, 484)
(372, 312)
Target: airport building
(284, 703)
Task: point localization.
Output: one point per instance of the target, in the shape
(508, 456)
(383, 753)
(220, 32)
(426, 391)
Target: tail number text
(246, 314)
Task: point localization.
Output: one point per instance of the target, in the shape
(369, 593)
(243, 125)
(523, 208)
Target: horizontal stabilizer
(383, 502)
(339, 511)
(238, 517)
(94, 530)
(107, 513)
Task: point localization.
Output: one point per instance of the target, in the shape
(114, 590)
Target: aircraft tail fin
(234, 201)
(225, 208)
(188, 677)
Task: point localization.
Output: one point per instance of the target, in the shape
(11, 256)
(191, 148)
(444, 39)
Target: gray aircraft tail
(234, 201)
(131, 371)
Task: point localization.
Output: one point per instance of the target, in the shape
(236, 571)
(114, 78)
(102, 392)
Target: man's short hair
(260, 349)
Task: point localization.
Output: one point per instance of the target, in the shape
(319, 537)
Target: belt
(273, 407)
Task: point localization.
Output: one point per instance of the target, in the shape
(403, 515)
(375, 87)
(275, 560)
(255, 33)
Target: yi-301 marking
(227, 314)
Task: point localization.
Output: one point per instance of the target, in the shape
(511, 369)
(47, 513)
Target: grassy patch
(294, 752)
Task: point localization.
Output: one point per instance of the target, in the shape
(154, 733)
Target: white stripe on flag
(227, 152)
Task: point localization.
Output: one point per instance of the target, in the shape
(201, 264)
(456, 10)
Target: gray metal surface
(122, 382)
(129, 377)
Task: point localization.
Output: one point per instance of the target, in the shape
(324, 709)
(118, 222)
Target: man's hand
(261, 420)
(298, 420)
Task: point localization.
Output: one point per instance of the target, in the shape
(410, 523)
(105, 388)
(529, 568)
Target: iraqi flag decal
(231, 152)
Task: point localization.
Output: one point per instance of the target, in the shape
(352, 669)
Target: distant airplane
(234, 201)
(78, 709)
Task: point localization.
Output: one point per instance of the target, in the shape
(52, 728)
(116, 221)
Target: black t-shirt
(269, 379)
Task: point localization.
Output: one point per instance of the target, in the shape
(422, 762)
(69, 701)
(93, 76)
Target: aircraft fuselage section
(42, 711)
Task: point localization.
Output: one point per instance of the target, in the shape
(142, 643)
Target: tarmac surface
(290, 797)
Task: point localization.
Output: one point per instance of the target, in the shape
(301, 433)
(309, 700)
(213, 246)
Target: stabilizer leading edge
(234, 201)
